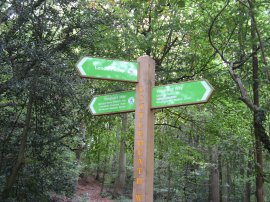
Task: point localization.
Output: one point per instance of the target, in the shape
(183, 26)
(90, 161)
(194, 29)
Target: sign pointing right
(186, 93)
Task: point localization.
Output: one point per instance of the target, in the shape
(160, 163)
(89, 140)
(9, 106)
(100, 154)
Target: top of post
(145, 57)
(146, 69)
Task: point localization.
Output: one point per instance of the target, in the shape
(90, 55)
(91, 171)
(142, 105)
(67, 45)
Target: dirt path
(90, 189)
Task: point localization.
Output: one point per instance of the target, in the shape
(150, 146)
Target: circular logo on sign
(131, 100)
(132, 71)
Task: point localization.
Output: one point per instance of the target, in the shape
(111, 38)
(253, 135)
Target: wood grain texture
(144, 133)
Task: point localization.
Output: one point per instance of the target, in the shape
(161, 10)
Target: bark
(20, 158)
(214, 194)
(221, 180)
(255, 28)
(247, 192)
(257, 121)
(243, 172)
(103, 179)
(78, 151)
(257, 111)
(81, 147)
(97, 177)
(226, 183)
(169, 183)
(259, 165)
(104, 170)
(119, 187)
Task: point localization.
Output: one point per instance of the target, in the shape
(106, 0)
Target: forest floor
(89, 190)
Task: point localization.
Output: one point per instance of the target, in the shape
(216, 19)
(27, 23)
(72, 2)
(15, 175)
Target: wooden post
(144, 132)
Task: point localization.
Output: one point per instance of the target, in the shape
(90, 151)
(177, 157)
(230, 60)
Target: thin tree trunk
(119, 187)
(103, 179)
(220, 177)
(214, 194)
(81, 147)
(169, 183)
(104, 170)
(98, 168)
(259, 167)
(78, 151)
(247, 193)
(257, 122)
(20, 159)
(225, 183)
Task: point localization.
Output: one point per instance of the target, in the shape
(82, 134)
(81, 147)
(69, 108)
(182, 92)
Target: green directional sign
(113, 103)
(187, 93)
(98, 68)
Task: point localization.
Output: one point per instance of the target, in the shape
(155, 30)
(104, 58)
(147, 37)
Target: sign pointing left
(113, 103)
(179, 94)
(98, 68)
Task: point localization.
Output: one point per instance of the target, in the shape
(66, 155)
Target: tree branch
(210, 31)
(242, 89)
(7, 104)
(237, 64)
(195, 73)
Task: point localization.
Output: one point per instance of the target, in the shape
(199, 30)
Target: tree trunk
(257, 121)
(103, 178)
(119, 186)
(214, 194)
(97, 177)
(20, 159)
(220, 177)
(169, 183)
(81, 146)
(259, 167)
(226, 183)
(105, 165)
(247, 193)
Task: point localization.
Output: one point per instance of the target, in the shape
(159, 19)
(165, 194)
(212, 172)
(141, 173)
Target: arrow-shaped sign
(186, 93)
(113, 103)
(98, 68)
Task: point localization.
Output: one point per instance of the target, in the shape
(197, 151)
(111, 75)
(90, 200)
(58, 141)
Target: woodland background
(213, 152)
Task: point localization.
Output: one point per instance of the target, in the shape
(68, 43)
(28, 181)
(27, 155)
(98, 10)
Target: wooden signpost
(146, 98)
(143, 171)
